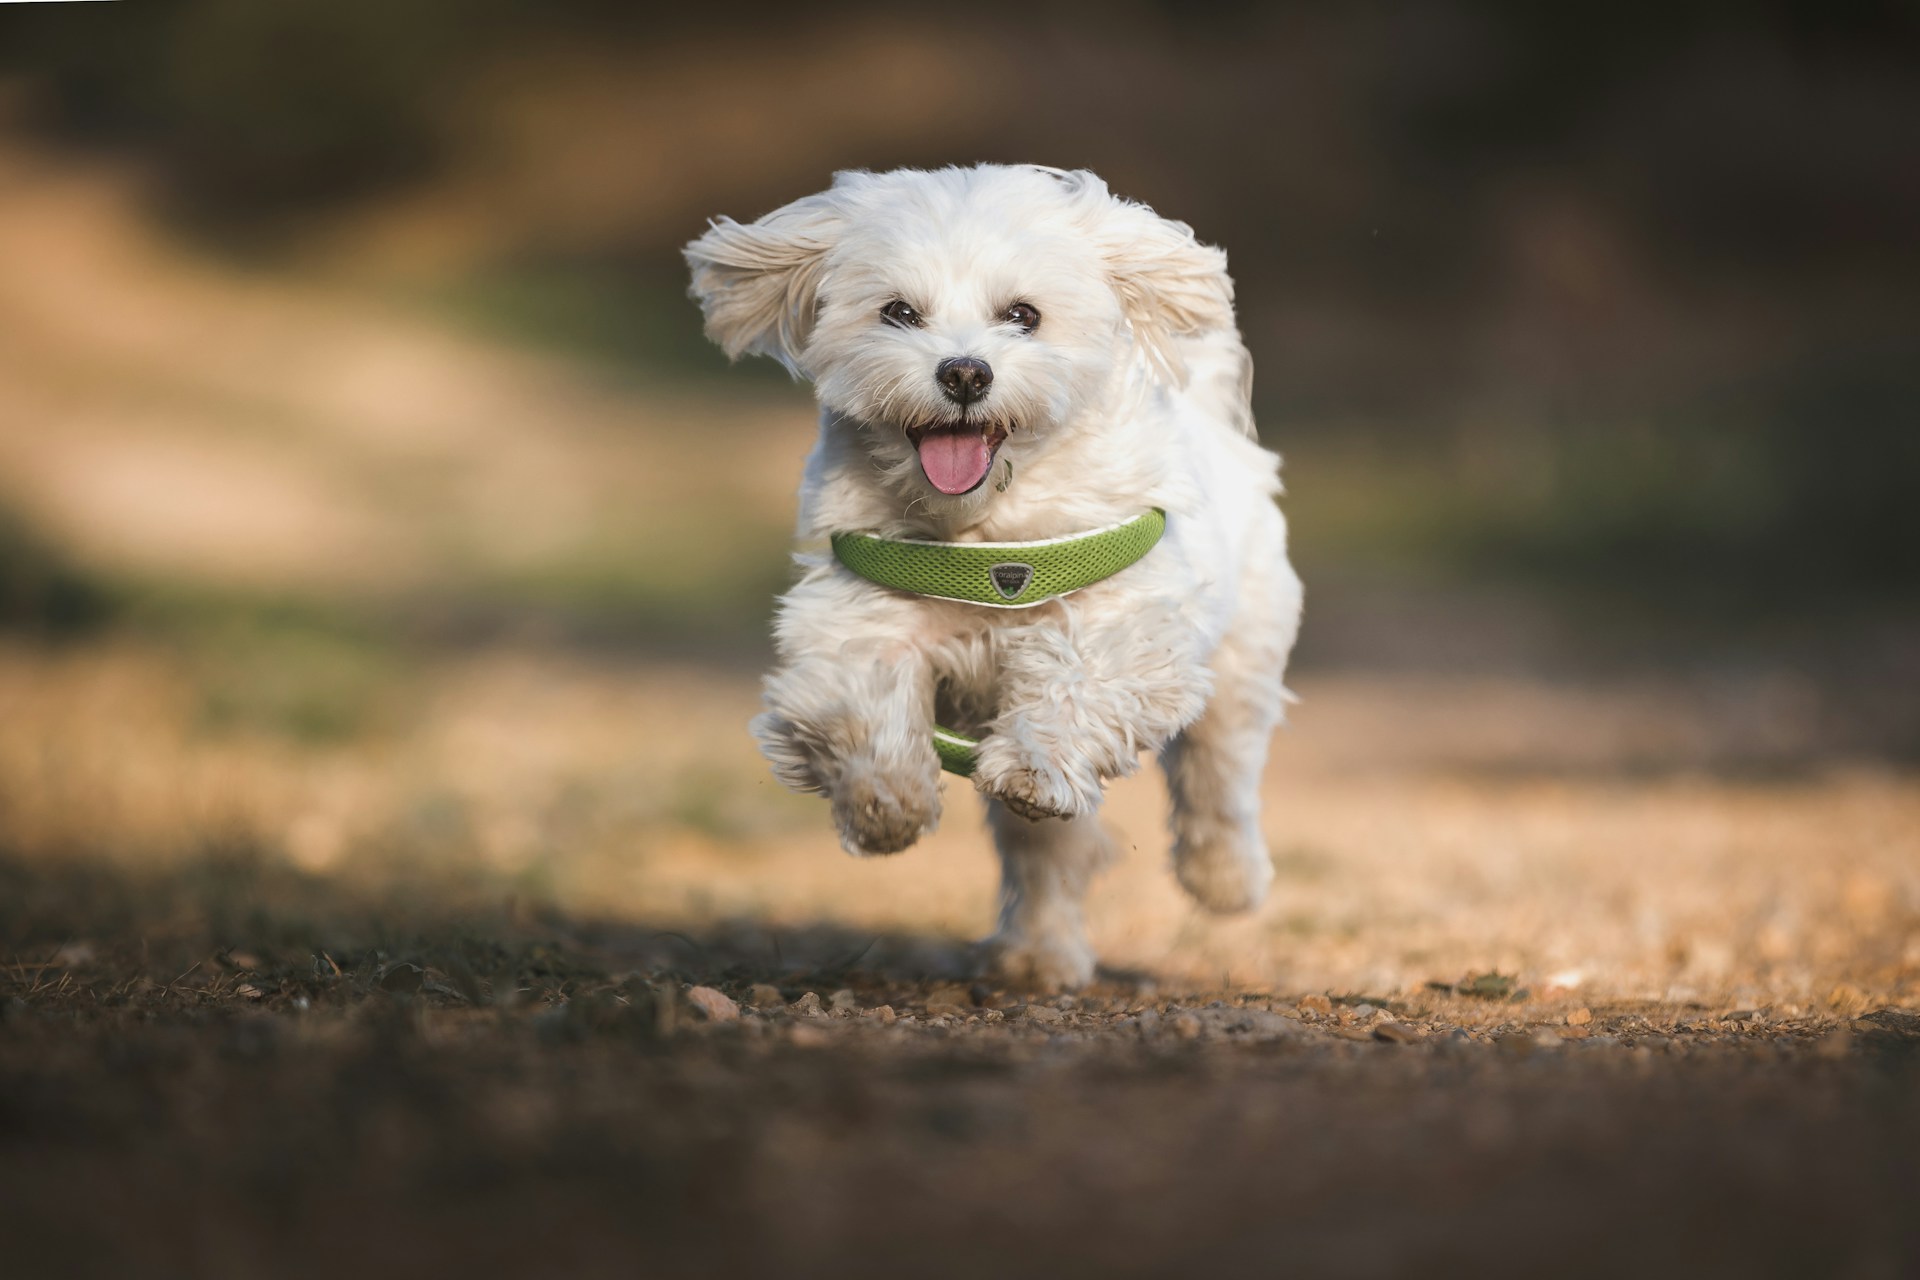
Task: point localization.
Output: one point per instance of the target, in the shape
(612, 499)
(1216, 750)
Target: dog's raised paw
(1026, 793)
(1021, 801)
(883, 815)
(1032, 793)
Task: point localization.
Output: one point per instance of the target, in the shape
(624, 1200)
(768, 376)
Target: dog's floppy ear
(757, 283)
(1170, 285)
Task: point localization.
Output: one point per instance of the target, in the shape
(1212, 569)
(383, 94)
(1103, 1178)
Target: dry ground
(325, 953)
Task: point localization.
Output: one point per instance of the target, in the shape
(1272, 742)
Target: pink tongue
(955, 458)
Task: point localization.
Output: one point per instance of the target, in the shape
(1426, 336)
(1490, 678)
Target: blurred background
(370, 500)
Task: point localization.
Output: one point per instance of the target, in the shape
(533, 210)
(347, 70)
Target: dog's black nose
(964, 378)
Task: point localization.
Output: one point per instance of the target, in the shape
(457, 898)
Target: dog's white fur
(1131, 393)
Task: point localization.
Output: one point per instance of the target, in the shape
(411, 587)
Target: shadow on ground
(231, 1068)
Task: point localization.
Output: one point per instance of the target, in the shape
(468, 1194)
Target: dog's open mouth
(956, 456)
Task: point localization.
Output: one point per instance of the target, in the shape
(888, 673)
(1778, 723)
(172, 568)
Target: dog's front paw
(1034, 788)
(884, 811)
(1052, 962)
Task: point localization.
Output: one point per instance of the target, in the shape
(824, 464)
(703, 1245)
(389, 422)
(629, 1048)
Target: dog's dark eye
(1023, 315)
(898, 312)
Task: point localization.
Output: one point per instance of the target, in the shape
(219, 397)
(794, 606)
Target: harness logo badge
(1010, 578)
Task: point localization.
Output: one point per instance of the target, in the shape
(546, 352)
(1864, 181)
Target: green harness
(1000, 575)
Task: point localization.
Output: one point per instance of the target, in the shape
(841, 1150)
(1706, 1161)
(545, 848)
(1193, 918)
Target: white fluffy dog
(1008, 353)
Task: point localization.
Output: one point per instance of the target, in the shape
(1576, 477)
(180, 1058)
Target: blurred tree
(276, 105)
(1657, 263)
(40, 593)
(257, 108)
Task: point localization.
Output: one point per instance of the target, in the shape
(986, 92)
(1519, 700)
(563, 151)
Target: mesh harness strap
(1000, 575)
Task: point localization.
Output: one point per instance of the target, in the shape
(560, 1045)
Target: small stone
(715, 1006)
(808, 1005)
(1361, 1012)
(881, 1014)
(1038, 1013)
(1397, 1033)
(1185, 1025)
(763, 995)
(1546, 1038)
(1747, 1015)
(992, 1015)
(844, 1001)
(947, 1009)
(1315, 1004)
(803, 1036)
(1580, 1017)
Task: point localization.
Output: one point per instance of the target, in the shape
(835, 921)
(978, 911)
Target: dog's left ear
(758, 283)
(1170, 285)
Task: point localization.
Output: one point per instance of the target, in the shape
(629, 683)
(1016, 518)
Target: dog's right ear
(758, 283)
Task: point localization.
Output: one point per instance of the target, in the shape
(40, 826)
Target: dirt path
(540, 1108)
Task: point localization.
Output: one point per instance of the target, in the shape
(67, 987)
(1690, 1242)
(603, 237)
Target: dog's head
(962, 314)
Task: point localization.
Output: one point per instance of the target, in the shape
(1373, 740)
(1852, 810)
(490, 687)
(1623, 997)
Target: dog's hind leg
(1213, 766)
(1045, 869)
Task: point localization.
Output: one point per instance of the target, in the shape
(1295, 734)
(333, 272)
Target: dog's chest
(970, 649)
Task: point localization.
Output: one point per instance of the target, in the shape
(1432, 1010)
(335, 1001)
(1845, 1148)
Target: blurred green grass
(42, 591)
